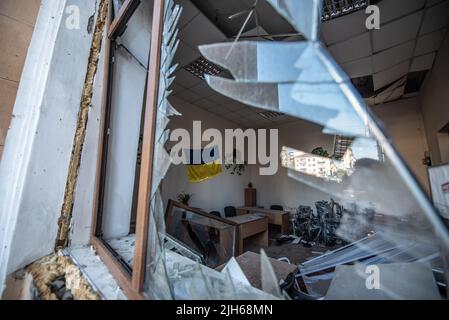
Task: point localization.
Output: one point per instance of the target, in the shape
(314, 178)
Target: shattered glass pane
(380, 196)
(303, 83)
(380, 215)
(270, 283)
(212, 239)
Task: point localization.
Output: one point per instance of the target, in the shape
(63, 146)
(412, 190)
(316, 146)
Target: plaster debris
(58, 278)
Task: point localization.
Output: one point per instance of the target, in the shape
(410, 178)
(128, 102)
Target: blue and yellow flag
(203, 164)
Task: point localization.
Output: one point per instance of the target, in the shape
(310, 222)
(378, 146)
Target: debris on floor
(57, 278)
(20, 286)
(319, 226)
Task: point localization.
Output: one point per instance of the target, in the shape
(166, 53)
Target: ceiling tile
(399, 31)
(176, 87)
(389, 95)
(203, 90)
(343, 28)
(254, 117)
(220, 99)
(429, 43)
(189, 11)
(436, 18)
(219, 110)
(201, 31)
(352, 49)
(431, 3)
(358, 68)
(185, 55)
(386, 77)
(390, 10)
(188, 96)
(186, 79)
(204, 103)
(391, 57)
(423, 62)
(235, 106)
(245, 112)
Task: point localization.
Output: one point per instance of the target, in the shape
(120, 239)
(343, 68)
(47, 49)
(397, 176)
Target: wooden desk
(276, 217)
(254, 226)
(249, 262)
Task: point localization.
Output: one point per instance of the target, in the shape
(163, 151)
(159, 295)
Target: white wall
(211, 195)
(279, 189)
(227, 189)
(38, 148)
(404, 123)
(434, 99)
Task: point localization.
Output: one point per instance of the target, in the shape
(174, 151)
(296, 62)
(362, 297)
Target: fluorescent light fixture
(336, 8)
(202, 66)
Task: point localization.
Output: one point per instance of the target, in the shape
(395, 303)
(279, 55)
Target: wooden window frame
(132, 284)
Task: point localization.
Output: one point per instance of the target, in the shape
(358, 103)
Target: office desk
(254, 226)
(276, 217)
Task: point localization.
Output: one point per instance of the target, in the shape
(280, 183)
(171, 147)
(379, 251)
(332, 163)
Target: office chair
(215, 213)
(230, 212)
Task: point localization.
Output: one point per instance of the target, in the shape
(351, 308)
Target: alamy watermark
(72, 21)
(236, 147)
(373, 20)
(372, 282)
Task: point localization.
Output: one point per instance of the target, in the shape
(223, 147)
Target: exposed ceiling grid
(411, 34)
(196, 29)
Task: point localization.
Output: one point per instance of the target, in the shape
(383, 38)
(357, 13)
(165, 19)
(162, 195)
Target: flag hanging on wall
(203, 164)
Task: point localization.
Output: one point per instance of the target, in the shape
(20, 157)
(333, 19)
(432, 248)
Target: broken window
(340, 208)
(123, 133)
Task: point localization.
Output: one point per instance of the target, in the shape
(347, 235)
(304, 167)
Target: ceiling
(386, 64)
(394, 59)
(196, 29)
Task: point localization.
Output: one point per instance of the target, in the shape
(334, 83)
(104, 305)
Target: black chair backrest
(215, 213)
(277, 207)
(230, 212)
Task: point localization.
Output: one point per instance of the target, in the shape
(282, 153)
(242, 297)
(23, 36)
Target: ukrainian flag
(203, 164)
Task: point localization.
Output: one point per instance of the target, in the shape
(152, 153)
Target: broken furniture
(276, 217)
(213, 238)
(249, 262)
(319, 226)
(252, 227)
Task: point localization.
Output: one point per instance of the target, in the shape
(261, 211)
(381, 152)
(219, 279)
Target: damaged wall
(81, 127)
(83, 201)
(56, 277)
(38, 149)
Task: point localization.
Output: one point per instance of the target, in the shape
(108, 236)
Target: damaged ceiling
(385, 65)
